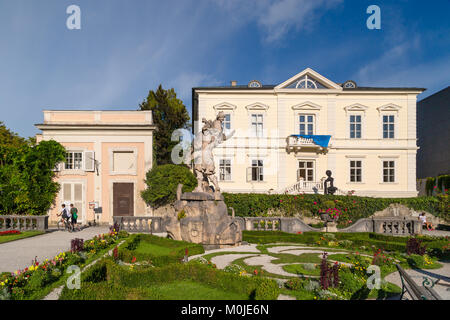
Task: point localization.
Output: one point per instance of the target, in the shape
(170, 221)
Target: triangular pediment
(356, 107)
(389, 107)
(308, 79)
(308, 105)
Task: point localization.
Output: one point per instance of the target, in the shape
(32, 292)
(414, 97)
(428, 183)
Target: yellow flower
(2, 284)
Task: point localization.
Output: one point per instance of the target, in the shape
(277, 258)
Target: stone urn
(330, 222)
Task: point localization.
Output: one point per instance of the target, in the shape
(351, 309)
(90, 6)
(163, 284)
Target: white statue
(204, 169)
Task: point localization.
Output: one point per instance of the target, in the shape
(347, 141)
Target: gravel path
(226, 259)
(19, 254)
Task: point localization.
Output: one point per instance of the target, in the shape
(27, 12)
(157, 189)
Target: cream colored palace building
(108, 155)
(288, 135)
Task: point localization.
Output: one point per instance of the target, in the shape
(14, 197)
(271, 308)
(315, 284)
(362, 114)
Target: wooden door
(73, 193)
(123, 199)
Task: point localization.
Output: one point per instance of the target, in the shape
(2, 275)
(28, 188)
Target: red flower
(315, 202)
(299, 232)
(255, 272)
(133, 260)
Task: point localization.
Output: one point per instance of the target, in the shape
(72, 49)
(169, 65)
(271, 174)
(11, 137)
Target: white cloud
(276, 18)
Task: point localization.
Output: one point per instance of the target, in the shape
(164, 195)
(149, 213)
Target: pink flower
(315, 202)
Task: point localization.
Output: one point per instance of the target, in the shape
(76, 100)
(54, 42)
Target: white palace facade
(287, 136)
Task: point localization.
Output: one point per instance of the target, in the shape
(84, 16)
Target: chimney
(233, 83)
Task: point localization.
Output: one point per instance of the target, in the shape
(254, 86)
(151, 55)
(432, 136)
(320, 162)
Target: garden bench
(416, 292)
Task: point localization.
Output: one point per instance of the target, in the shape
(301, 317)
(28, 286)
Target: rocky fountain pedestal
(202, 218)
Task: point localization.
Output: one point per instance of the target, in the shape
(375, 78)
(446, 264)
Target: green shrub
(415, 261)
(162, 182)
(294, 284)
(266, 290)
(351, 207)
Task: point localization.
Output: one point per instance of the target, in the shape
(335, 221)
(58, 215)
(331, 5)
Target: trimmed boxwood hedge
(107, 274)
(352, 207)
(127, 252)
(435, 247)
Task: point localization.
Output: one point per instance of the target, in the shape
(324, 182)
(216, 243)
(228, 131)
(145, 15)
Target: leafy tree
(169, 114)
(26, 177)
(9, 138)
(162, 182)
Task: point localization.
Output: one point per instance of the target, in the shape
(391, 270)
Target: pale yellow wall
(87, 178)
(331, 119)
(103, 142)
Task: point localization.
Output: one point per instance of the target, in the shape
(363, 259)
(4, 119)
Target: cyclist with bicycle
(65, 217)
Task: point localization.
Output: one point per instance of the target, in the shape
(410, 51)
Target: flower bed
(23, 284)
(9, 232)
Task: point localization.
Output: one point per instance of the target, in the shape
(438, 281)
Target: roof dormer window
(306, 82)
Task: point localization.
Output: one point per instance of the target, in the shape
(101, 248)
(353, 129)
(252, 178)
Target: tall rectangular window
(257, 125)
(388, 127)
(225, 170)
(306, 124)
(226, 124)
(74, 161)
(257, 170)
(388, 171)
(305, 170)
(355, 126)
(355, 171)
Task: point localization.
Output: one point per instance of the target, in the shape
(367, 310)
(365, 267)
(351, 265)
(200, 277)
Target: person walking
(74, 214)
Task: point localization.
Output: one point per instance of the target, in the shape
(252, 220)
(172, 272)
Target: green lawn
(23, 235)
(300, 269)
(189, 290)
(145, 247)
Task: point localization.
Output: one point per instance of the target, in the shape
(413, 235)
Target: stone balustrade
(140, 224)
(23, 223)
(401, 226)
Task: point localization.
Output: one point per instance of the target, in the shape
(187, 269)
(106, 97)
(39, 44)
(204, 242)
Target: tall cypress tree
(169, 114)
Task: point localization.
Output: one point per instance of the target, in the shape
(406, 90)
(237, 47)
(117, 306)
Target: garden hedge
(113, 277)
(128, 252)
(352, 207)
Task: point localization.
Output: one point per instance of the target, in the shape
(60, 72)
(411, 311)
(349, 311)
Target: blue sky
(126, 48)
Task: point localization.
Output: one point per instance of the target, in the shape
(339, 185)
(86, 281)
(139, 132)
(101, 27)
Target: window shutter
(249, 174)
(89, 164)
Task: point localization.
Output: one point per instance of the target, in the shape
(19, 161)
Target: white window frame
(350, 170)
(382, 115)
(306, 168)
(355, 114)
(231, 169)
(254, 134)
(73, 151)
(383, 160)
(258, 171)
(299, 114)
(306, 108)
(111, 161)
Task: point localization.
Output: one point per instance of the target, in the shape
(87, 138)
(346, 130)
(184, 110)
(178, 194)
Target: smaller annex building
(108, 155)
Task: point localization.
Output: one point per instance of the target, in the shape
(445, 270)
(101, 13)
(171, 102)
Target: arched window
(306, 82)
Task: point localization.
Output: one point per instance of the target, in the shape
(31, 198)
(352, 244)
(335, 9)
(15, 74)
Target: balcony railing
(306, 187)
(297, 142)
